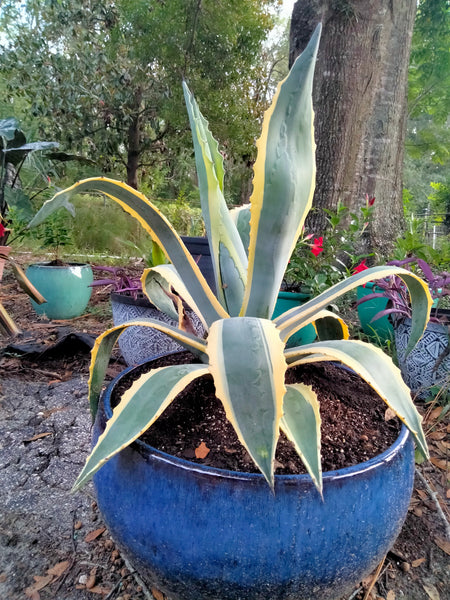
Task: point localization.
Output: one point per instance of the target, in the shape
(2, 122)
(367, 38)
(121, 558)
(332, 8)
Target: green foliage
(55, 234)
(428, 136)
(187, 220)
(316, 272)
(102, 79)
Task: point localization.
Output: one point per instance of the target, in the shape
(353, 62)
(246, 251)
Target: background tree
(105, 77)
(428, 135)
(360, 104)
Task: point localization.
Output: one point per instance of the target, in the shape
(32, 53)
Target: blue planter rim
(339, 474)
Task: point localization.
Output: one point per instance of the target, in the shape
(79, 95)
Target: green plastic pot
(65, 288)
(381, 328)
(286, 301)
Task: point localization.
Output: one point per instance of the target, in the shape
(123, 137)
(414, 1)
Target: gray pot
(140, 343)
(419, 368)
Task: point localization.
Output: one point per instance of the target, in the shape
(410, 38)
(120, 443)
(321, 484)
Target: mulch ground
(54, 544)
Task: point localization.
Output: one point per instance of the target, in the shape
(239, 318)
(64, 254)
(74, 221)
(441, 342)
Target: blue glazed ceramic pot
(200, 533)
(66, 288)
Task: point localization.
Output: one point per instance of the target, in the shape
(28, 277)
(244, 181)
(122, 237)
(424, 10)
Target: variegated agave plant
(244, 349)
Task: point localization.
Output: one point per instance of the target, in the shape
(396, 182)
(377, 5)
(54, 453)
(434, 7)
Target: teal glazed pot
(381, 328)
(66, 288)
(201, 533)
(286, 301)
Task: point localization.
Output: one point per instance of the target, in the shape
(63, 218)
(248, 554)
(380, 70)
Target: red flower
(316, 248)
(2, 230)
(361, 267)
(370, 201)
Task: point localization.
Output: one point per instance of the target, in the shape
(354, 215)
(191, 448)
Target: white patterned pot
(419, 369)
(140, 343)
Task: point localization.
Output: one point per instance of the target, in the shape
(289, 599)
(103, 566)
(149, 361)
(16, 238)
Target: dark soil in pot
(354, 427)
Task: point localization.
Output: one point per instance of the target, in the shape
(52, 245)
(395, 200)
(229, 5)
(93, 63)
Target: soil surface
(54, 545)
(354, 425)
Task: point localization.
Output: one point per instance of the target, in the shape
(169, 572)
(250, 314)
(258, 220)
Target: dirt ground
(53, 544)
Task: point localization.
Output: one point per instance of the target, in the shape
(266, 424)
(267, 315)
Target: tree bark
(360, 104)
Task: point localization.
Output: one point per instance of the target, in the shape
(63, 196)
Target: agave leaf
(101, 352)
(241, 218)
(373, 366)
(140, 406)
(283, 183)
(164, 277)
(301, 423)
(247, 364)
(330, 326)
(421, 301)
(7, 325)
(227, 252)
(152, 220)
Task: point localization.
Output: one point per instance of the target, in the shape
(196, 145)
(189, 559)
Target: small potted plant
(428, 364)
(65, 285)
(204, 532)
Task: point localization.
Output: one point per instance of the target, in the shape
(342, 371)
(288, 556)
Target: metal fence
(434, 227)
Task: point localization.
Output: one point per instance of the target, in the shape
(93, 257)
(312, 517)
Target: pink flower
(317, 248)
(361, 267)
(2, 230)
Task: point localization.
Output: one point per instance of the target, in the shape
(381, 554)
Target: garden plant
(247, 289)
(244, 348)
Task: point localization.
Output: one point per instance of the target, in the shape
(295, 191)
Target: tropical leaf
(375, 367)
(152, 220)
(283, 183)
(140, 406)
(247, 364)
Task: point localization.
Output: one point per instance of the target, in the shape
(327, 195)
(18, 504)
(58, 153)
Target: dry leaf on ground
(93, 535)
(202, 451)
(98, 589)
(157, 594)
(90, 583)
(38, 436)
(389, 414)
(431, 591)
(440, 463)
(59, 568)
(418, 562)
(443, 544)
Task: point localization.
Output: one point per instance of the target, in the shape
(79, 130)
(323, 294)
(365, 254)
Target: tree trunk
(360, 104)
